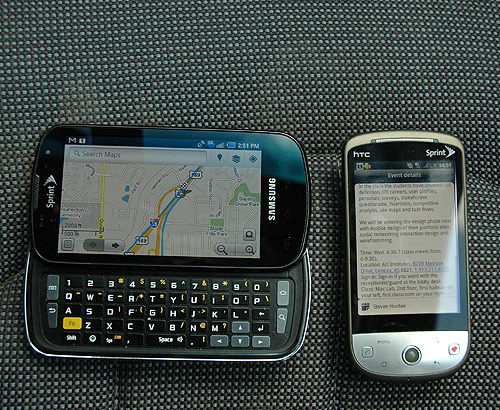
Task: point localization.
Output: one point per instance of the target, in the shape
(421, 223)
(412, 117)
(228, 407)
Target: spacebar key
(166, 340)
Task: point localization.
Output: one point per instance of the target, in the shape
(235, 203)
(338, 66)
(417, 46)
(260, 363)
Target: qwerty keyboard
(198, 313)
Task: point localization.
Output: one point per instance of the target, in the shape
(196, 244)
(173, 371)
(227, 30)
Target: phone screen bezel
(283, 239)
(399, 149)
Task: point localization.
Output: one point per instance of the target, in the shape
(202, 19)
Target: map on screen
(161, 201)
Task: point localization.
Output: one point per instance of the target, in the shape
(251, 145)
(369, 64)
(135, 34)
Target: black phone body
(406, 254)
(168, 244)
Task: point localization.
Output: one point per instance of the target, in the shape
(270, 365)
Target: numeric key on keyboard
(221, 285)
(95, 282)
(160, 284)
(261, 286)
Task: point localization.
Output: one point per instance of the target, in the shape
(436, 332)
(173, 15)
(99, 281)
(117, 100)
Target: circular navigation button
(411, 355)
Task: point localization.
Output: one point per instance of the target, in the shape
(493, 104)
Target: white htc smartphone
(150, 243)
(406, 253)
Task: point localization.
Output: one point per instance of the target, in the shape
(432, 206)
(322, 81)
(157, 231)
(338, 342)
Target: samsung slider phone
(407, 270)
(151, 243)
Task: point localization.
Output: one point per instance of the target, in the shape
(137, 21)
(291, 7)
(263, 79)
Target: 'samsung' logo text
(272, 199)
(440, 152)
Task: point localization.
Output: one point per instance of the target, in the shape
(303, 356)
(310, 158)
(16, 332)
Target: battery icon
(231, 144)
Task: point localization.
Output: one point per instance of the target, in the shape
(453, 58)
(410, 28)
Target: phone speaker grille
(34, 195)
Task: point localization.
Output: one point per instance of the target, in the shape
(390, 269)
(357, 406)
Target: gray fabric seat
(321, 72)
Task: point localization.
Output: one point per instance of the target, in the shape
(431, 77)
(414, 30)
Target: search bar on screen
(133, 155)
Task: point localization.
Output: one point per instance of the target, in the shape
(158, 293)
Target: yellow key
(72, 323)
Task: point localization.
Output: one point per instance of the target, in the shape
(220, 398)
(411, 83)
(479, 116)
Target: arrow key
(261, 341)
(240, 341)
(240, 327)
(219, 341)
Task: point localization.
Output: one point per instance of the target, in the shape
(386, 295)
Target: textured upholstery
(320, 71)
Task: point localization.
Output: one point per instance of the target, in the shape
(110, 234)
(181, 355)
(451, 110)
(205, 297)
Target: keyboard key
(52, 287)
(240, 341)
(221, 299)
(136, 325)
(92, 338)
(166, 340)
(219, 341)
(262, 328)
(281, 320)
(93, 311)
(219, 327)
(134, 340)
(176, 313)
(92, 324)
(158, 284)
(261, 314)
(113, 340)
(95, 282)
(114, 311)
(52, 312)
(219, 313)
(115, 297)
(242, 300)
(240, 327)
(177, 298)
(72, 323)
(198, 313)
(72, 310)
(179, 284)
(156, 312)
(136, 297)
(136, 311)
(198, 299)
(116, 283)
(176, 326)
(157, 298)
(73, 296)
(155, 326)
(221, 285)
(241, 286)
(74, 281)
(261, 341)
(261, 300)
(240, 314)
(71, 338)
(261, 286)
(199, 284)
(93, 296)
(197, 341)
(137, 283)
(197, 327)
(113, 325)
(283, 293)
